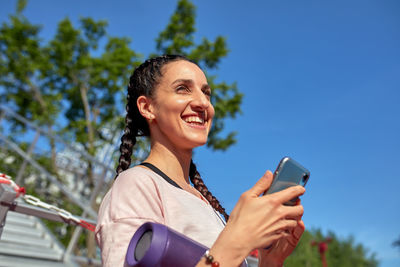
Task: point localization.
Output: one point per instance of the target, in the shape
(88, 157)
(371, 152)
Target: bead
(209, 258)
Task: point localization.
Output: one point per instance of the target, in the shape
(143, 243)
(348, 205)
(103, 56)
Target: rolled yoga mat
(156, 245)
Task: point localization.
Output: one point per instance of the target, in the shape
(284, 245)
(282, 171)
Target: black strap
(159, 172)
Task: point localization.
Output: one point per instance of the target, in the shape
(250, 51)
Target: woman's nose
(201, 100)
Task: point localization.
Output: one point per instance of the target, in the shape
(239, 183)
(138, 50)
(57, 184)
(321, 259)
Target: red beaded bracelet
(210, 259)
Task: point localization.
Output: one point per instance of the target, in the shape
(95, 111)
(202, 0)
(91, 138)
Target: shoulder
(133, 182)
(134, 194)
(134, 175)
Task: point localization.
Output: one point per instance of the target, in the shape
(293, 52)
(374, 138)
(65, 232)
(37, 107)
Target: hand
(257, 222)
(276, 254)
(266, 219)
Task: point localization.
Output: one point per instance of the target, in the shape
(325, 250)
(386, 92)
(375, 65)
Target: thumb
(262, 185)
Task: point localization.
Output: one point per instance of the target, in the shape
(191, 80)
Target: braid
(142, 82)
(198, 183)
(128, 140)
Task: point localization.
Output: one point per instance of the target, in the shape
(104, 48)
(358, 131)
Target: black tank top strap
(159, 172)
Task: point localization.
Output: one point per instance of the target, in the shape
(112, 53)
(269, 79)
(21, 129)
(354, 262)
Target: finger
(293, 212)
(296, 218)
(299, 230)
(289, 193)
(274, 239)
(284, 225)
(262, 185)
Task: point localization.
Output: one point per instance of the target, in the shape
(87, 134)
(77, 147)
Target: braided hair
(143, 81)
(198, 183)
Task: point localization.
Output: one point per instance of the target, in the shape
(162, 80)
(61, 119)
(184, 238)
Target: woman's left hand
(281, 249)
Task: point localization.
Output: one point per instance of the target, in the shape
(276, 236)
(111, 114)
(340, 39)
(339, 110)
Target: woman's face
(181, 106)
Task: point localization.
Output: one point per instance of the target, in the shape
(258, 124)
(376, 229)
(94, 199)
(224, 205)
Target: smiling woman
(169, 101)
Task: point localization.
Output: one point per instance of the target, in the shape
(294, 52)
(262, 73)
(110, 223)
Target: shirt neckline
(173, 183)
(161, 173)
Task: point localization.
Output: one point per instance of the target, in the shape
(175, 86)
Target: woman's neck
(173, 162)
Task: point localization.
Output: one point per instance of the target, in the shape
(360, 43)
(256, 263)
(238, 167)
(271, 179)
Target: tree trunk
(53, 152)
(38, 96)
(90, 240)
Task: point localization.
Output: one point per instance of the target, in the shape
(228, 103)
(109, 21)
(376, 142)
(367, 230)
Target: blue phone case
(288, 173)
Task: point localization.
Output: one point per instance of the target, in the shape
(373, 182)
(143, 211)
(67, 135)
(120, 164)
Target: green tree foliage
(23, 67)
(89, 83)
(64, 77)
(24, 86)
(340, 252)
(178, 38)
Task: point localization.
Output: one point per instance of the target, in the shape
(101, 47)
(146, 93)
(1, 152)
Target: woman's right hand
(257, 222)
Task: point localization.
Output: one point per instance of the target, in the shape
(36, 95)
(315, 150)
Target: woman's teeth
(194, 120)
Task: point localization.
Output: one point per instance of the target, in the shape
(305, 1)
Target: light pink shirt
(140, 195)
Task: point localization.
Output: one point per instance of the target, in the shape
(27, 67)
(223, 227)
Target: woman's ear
(145, 107)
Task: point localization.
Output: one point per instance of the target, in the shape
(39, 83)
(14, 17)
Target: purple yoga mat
(159, 245)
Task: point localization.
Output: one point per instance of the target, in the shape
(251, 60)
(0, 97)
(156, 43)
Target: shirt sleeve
(133, 200)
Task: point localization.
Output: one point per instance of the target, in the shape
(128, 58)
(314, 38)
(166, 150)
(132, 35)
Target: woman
(169, 100)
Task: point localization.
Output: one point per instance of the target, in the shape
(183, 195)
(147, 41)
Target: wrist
(229, 250)
(210, 259)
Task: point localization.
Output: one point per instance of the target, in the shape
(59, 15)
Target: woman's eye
(182, 88)
(207, 92)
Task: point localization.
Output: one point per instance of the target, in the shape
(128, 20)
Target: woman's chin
(193, 143)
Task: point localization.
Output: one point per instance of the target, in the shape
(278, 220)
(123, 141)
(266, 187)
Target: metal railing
(104, 171)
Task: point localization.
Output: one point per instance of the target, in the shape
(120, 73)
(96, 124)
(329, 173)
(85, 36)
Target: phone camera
(305, 178)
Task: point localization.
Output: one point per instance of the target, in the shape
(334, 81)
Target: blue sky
(322, 84)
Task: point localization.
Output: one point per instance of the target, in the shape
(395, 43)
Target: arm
(257, 222)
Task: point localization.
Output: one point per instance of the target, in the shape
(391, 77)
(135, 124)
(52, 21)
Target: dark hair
(143, 81)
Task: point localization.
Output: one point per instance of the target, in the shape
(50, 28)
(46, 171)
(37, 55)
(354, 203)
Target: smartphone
(288, 173)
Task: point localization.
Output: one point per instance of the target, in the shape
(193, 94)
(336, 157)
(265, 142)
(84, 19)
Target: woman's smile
(196, 120)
